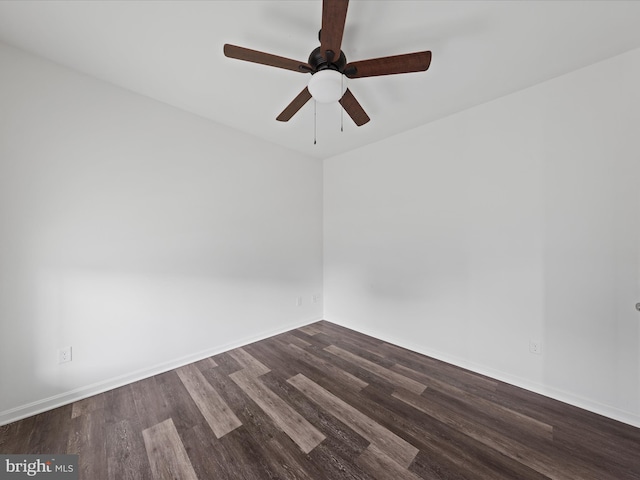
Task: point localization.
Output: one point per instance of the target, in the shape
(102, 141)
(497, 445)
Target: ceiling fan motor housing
(318, 62)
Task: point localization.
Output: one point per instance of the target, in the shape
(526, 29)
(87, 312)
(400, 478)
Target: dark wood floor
(324, 402)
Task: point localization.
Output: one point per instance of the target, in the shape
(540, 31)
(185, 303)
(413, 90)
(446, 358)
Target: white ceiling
(172, 51)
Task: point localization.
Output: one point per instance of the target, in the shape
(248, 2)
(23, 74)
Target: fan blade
(254, 56)
(354, 109)
(407, 63)
(334, 15)
(297, 103)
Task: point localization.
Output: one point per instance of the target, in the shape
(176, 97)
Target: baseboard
(65, 398)
(551, 392)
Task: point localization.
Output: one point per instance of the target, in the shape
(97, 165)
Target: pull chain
(315, 121)
(341, 109)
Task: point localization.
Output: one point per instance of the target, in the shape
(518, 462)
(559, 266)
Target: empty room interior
(210, 270)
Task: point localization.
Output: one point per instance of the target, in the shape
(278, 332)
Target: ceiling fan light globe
(327, 86)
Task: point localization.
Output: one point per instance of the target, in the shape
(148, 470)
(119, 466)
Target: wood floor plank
(376, 462)
(305, 435)
(183, 409)
(355, 342)
(150, 404)
(232, 457)
(294, 339)
(276, 356)
(317, 341)
(215, 410)
(389, 375)
(401, 451)
(436, 467)
(120, 405)
(226, 363)
(474, 403)
(598, 430)
(534, 458)
(442, 370)
(167, 456)
(206, 363)
(288, 465)
(86, 440)
(204, 451)
(15, 437)
(249, 363)
(250, 460)
(51, 431)
(275, 445)
(126, 458)
(349, 380)
(88, 405)
(446, 448)
(310, 330)
(597, 450)
(335, 466)
(342, 439)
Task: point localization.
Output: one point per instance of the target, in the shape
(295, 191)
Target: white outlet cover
(64, 355)
(535, 347)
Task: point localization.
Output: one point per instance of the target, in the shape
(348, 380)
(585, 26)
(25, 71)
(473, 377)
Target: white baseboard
(557, 394)
(65, 398)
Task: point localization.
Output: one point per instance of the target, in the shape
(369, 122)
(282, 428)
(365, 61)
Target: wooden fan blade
(254, 56)
(334, 15)
(354, 109)
(303, 97)
(407, 63)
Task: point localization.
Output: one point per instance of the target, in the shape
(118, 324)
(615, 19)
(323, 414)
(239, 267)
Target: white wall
(142, 236)
(516, 220)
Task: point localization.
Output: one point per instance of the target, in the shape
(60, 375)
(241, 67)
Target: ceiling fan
(328, 66)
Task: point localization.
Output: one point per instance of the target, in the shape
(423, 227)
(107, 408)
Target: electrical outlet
(299, 301)
(535, 347)
(316, 298)
(64, 355)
